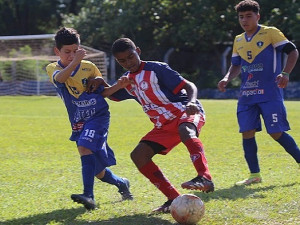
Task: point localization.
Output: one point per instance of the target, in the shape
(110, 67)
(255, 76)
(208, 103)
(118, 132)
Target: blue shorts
(94, 137)
(273, 114)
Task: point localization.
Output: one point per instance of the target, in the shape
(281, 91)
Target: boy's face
(129, 59)
(66, 53)
(249, 21)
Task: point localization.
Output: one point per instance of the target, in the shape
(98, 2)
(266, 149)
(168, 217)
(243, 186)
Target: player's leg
(275, 118)
(88, 169)
(122, 184)
(142, 158)
(289, 144)
(94, 138)
(250, 154)
(249, 123)
(104, 158)
(189, 136)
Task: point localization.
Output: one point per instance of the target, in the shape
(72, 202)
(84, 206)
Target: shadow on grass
(68, 217)
(238, 192)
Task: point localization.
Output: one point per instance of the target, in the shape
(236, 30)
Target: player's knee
(133, 156)
(141, 155)
(84, 151)
(248, 134)
(187, 131)
(276, 136)
(101, 174)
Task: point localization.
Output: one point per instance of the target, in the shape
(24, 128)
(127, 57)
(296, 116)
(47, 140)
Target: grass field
(40, 168)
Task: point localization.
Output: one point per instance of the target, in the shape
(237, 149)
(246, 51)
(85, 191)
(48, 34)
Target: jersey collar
(140, 68)
(250, 38)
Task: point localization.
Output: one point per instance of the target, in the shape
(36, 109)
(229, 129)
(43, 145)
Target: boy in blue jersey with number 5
(257, 56)
(88, 114)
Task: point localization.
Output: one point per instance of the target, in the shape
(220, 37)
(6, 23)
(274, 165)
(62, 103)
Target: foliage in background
(198, 30)
(26, 17)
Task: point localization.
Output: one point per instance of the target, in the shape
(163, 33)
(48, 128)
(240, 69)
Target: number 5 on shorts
(274, 117)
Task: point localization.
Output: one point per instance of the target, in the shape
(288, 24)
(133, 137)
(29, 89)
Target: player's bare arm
(121, 83)
(192, 92)
(64, 74)
(283, 78)
(232, 73)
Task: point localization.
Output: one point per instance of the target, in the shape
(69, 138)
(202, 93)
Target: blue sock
(250, 150)
(88, 170)
(290, 146)
(111, 178)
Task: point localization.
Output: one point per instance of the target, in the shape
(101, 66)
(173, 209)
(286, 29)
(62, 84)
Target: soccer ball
(187, 209)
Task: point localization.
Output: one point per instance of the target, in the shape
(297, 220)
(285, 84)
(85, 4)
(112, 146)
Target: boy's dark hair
(247, 5)
(66, 36)
(121, 45)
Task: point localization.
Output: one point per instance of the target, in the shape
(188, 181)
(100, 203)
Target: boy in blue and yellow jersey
(88, 114)
(257, 56)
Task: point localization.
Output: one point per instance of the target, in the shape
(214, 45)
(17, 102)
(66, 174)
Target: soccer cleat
(88, 202)
(249, 181)
(124, 190)
(165, 208)
(199, 183)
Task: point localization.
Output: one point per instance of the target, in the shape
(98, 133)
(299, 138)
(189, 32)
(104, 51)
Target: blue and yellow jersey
(82, 107)
(76, 84)
(260, 60)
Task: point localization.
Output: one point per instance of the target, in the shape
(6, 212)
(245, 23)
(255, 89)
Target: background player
(257, 56)
(88, 115)
(171, 103)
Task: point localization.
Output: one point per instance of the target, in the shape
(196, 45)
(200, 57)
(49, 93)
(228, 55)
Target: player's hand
(79, 55)
(93, 84)
(124, 82)
(282, 81)
(192, 108)
(222, 85)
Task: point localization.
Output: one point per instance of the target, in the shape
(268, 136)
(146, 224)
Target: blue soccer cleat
(88, 202)
(124, 190)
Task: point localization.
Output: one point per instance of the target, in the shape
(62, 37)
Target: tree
(34, 16)
(198, 30)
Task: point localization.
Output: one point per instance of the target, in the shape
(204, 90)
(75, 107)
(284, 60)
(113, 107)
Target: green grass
(40, 168)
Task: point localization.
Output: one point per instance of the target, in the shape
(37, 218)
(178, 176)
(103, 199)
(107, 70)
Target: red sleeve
(179, 87)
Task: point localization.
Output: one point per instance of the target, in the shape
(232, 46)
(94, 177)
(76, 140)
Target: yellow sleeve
(277, 37)
(97, 72)
(234, 48)
(50, 71)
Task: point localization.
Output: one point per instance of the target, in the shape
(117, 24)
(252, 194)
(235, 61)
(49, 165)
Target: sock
(250, 153)
(111, 178)
(156, 177)
(289, 144)
(196, 150)
(88, 169)
(254, 175)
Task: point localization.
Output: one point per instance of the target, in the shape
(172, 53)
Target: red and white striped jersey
(158, 89)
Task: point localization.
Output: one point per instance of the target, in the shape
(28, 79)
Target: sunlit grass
(40, 168)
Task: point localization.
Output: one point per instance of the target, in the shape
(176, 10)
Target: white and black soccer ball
(187, 209)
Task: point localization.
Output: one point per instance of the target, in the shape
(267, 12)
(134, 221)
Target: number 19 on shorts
(89, 133)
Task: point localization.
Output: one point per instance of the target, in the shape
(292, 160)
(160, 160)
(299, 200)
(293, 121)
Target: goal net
(23, 60)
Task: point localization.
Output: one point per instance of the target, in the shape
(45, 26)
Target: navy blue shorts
(272, 112)
(94, 137)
